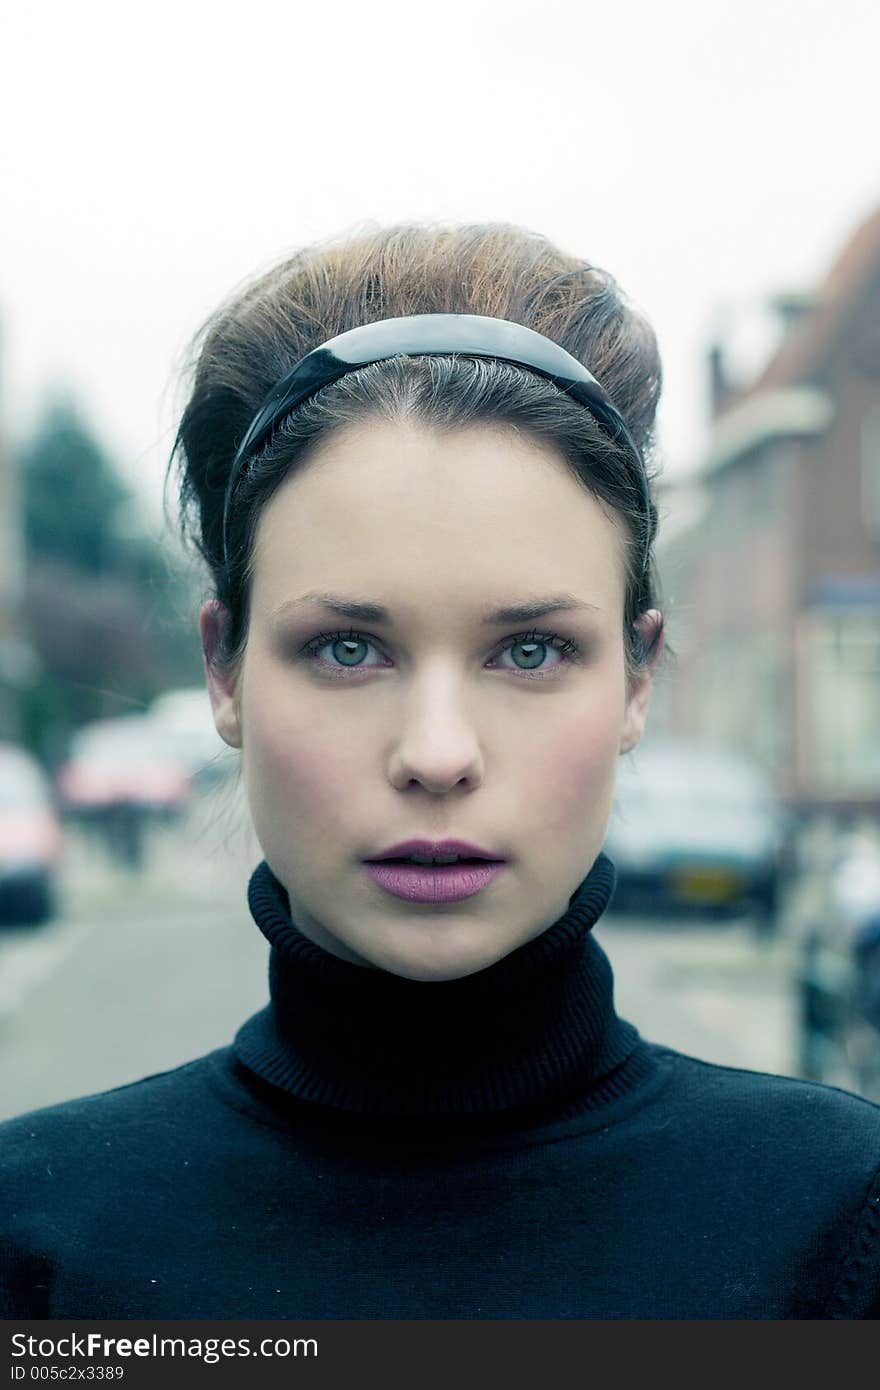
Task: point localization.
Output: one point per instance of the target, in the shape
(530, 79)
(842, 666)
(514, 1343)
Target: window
(844, 749)
(870, 448)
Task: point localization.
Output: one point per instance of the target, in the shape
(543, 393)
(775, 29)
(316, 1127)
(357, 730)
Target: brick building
(774, 586)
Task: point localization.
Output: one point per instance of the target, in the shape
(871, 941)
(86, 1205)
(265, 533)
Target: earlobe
(213, 617)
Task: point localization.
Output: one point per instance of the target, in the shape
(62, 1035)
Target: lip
(439, 883)
(461, 847)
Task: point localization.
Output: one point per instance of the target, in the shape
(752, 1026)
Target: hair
(496, 269)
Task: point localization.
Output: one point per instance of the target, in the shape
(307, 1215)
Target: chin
(447, 965)
(430, 975)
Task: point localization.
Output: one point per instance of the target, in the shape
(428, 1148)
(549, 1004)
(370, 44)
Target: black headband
(420, 335)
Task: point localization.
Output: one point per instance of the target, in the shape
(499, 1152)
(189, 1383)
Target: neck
(536, 1030)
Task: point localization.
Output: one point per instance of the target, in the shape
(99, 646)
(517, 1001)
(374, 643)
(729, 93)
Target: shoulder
(70, 1172)
(799, 1157)
(807, 1150)
(808, 1145)
(136, 1110)
(763, 1107)
(768, 1095)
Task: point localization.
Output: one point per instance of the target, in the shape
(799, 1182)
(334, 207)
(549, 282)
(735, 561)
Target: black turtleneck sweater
(500, 1146)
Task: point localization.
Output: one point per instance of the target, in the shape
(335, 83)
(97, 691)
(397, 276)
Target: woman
(433, 633)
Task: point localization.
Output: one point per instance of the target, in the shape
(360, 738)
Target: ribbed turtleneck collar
(536, 1029)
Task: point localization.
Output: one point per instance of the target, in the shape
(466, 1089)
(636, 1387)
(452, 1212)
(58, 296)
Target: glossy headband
(420, 335)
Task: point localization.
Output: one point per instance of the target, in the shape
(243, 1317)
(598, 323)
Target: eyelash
(567, 649)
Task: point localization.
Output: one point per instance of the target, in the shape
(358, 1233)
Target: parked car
(186, 722)
(31, 839)
(123, 762)
(122, 777)
(695, 824)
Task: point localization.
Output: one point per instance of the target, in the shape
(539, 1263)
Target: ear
(639, 694)
(213, 617)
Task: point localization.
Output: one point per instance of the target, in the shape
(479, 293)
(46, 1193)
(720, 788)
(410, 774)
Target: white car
(696, 824)
(120, 764)
(31, 839)
(185, 719)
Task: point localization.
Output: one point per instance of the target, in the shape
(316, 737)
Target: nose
(437, 745)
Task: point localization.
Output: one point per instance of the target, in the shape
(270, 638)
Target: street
(143, 971)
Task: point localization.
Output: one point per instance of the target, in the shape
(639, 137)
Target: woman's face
(432, 722)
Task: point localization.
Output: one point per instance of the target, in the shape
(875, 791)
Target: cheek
(574, 773)
(295, 763)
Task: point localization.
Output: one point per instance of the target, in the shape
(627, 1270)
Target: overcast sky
(155, 156)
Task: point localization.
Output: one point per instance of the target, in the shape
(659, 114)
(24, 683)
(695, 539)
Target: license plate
(707, 884)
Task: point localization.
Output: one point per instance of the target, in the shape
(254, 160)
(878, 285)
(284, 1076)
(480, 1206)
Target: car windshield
(114, 748)
(691, 778)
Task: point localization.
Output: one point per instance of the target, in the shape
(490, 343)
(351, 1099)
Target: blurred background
(722, 163)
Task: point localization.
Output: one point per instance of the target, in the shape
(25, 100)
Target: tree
(71, 497)
(111, 620)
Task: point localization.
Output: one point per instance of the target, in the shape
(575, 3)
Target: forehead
(410, 511)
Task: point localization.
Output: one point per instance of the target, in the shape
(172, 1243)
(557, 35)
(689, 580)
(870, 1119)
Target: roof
(793, 412)
(809, 343)
(783, 401)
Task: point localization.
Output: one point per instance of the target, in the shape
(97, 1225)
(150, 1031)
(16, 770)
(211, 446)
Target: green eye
(535, 652)
(348, 650)
(345, 650)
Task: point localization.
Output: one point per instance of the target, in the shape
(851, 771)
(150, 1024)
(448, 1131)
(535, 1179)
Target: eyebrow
(362, 612)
